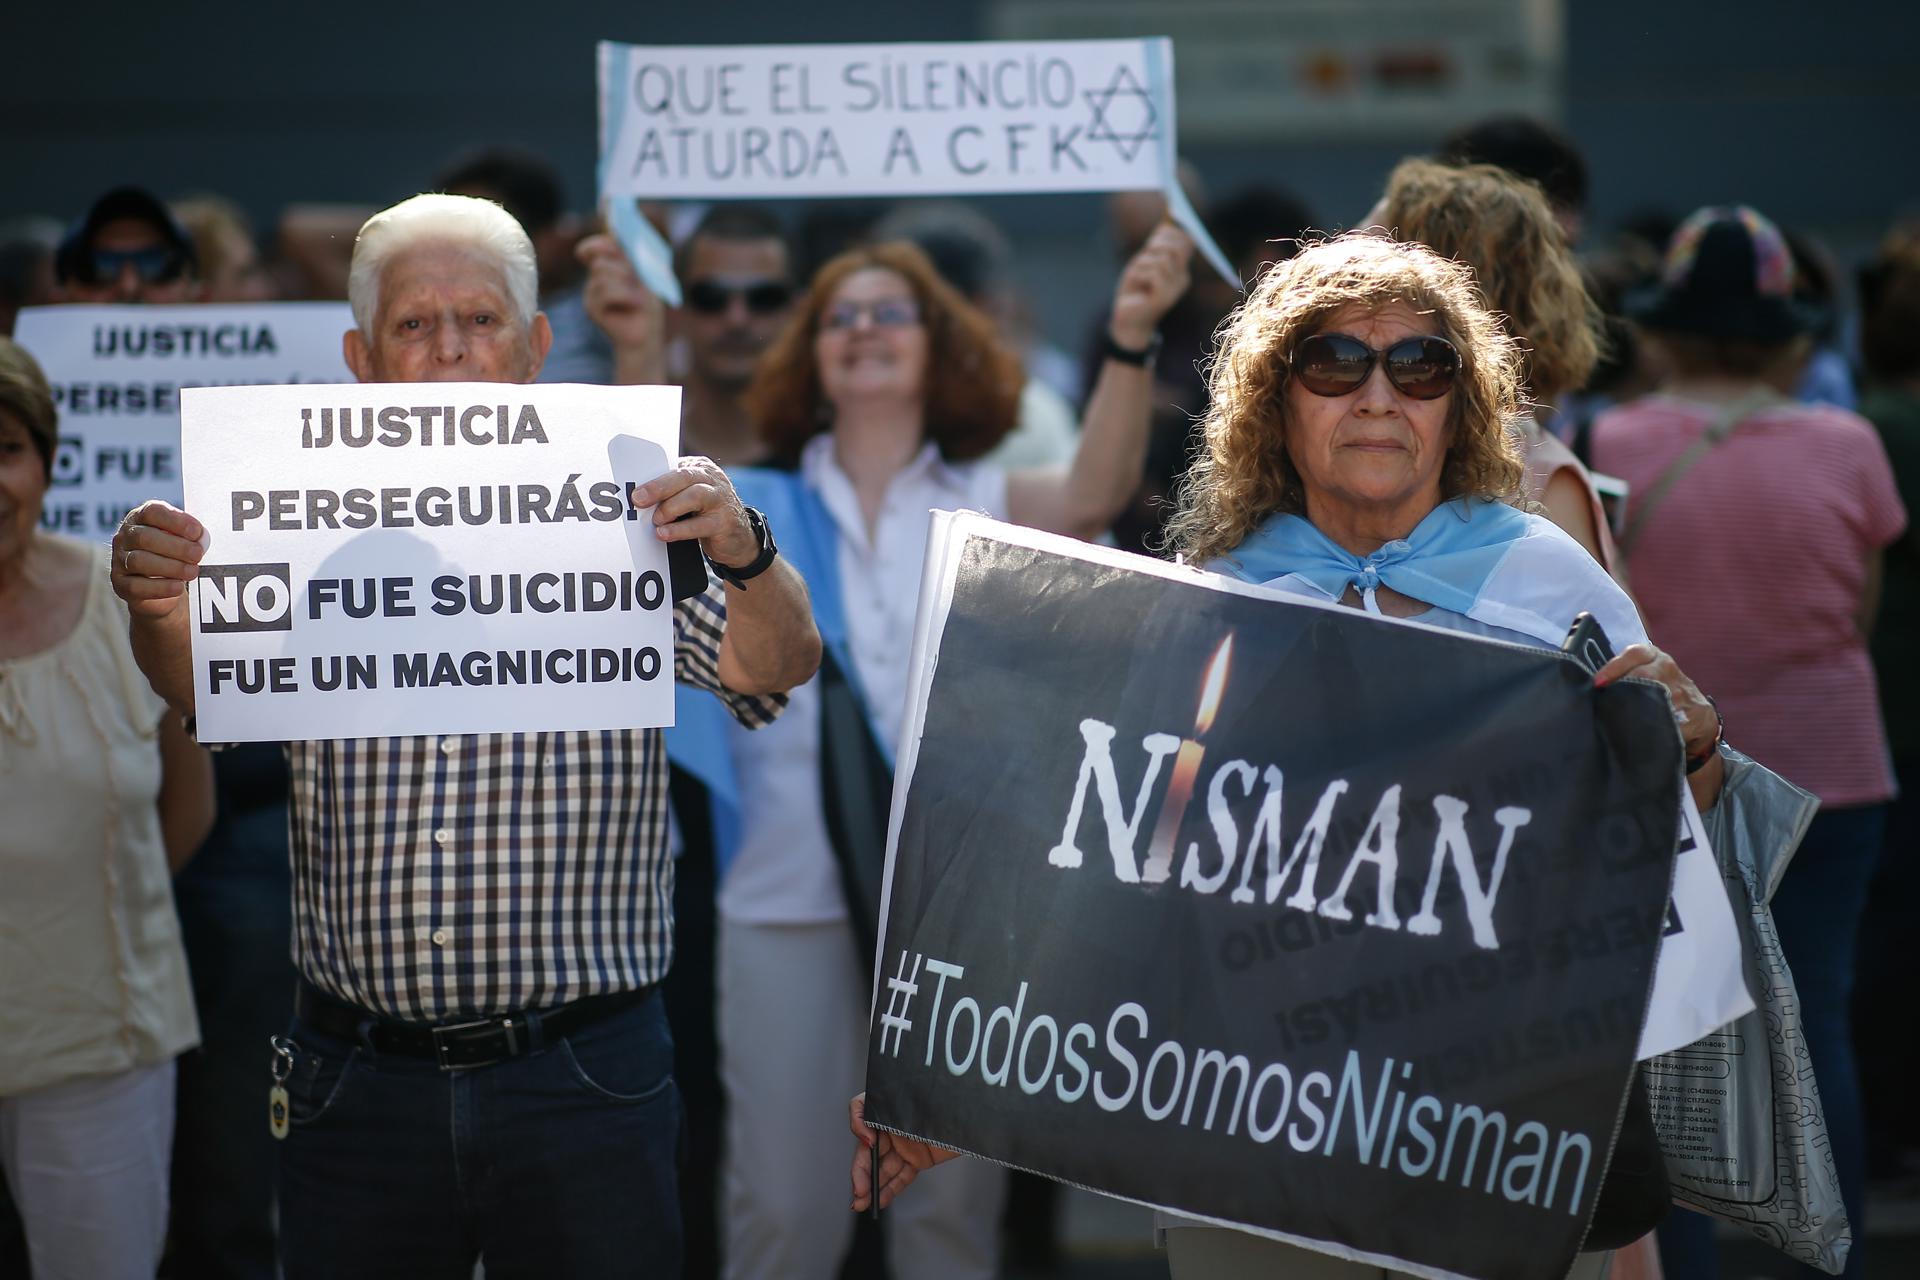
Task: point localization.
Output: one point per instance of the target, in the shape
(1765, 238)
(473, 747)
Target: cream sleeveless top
(93, 979)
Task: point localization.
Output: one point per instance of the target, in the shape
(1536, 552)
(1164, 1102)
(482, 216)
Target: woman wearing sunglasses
(881, 398)
(1360, 449)
(1357, 450)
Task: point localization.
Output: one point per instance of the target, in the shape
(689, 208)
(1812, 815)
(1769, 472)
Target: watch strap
(759, 564)
(1142, 357)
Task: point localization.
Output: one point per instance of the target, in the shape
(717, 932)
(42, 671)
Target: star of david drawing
(1123, 114)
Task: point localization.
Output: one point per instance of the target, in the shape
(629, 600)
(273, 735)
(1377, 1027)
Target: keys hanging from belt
(283, 1051)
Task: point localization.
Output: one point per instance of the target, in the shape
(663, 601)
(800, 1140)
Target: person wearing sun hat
(1754, 535)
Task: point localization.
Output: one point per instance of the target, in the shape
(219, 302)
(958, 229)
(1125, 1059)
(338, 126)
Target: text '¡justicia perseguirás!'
(428, 506)
(433, 506)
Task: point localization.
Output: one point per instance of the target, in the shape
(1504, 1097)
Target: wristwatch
(758, 565)
(1142, 358)
(1696, 763)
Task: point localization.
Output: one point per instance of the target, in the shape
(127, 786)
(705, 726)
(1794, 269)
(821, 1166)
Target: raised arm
(156, 552)
(186, 793)
(625, 310)
(771, 644)
(1083, 498)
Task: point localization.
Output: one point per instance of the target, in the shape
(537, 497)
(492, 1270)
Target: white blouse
(784, 872)
(93, 978)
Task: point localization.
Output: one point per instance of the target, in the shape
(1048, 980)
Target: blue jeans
(558, 1163)
(1817, 910)
(236, 913)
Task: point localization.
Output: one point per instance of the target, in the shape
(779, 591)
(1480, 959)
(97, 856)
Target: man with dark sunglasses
(737, 288)
(128, 248)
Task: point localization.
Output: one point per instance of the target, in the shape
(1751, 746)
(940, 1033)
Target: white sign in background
(827, 120)
(399, 558)
(731, 122)
(117, 373)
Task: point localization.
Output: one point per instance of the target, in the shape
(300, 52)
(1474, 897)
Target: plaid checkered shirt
(475, 875)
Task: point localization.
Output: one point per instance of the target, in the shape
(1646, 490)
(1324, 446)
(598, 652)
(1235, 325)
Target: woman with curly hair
(1359, 451)
(880, 398)
(1502, 227)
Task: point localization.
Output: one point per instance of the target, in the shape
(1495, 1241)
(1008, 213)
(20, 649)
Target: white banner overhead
(425, 559)
(769, 121)
(760, 122)
(117, 373)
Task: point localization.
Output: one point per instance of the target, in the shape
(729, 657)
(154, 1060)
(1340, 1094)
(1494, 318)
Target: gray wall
(1807, 111)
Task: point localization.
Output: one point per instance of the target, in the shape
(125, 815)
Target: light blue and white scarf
(1483, 560)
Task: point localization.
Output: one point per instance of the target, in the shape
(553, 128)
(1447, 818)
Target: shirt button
(440, 836)
(446, 746)
(439, 937)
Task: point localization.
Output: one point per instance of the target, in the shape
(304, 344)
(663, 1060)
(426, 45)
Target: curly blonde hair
(1243, 475)
(1503, 227)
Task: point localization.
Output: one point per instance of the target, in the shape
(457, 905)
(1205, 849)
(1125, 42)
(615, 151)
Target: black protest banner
(1272, 914)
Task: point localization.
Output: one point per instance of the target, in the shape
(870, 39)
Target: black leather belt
(455, 1045)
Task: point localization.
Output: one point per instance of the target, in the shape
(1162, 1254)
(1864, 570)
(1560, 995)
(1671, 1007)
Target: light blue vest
(810, 541)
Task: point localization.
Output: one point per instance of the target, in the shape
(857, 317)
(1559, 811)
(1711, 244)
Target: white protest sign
(720, 122)
(391, 559)
(768, 121)
(117, 373)
(1698, 986)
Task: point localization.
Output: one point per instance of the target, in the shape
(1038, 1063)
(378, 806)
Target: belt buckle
(445, 1037)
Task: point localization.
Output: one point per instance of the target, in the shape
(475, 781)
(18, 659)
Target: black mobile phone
(686, 570)
(1587, 641)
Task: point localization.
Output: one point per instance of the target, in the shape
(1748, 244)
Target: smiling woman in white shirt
(881, 398)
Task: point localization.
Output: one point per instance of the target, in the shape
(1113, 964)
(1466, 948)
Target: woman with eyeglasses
(878, 401)
(1358, 452)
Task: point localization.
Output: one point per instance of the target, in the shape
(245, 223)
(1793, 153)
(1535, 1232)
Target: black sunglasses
(158, 264)
(763, 297)
(1334, 364)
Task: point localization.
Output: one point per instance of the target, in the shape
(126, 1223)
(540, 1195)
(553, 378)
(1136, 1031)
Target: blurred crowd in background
(744, 269)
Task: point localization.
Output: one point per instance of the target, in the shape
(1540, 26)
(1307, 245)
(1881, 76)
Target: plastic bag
(1738, 1112)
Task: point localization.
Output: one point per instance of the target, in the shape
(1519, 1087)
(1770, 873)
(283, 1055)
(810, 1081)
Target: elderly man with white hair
(478, 1066)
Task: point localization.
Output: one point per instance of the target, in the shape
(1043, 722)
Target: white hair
(466, 222)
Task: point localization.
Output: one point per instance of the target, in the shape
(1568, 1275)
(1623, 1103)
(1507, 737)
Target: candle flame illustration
(1186, 770)
(1215, 686)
